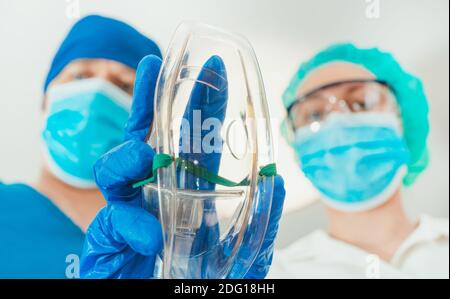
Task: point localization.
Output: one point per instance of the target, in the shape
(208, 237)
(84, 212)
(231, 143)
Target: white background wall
(282, 32)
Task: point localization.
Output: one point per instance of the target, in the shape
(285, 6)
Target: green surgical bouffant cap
(408, 89)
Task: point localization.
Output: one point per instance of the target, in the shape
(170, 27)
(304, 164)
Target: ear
(44, 103)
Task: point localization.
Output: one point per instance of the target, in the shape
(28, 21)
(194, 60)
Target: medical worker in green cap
(358, 123)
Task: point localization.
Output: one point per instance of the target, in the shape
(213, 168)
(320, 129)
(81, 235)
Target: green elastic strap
(164, 160)
(159, 161)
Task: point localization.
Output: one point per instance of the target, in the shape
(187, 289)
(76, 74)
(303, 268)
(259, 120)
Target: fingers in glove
(115, 171)
(142, 109)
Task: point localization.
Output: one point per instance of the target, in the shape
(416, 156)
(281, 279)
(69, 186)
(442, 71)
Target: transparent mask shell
(211, 110)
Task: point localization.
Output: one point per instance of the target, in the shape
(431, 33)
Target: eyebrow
(353, 88)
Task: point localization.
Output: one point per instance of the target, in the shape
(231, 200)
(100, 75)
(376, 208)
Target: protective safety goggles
(351, 96)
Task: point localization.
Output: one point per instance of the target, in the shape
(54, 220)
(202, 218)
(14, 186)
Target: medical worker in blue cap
(87, 98)
(358, 123)
(98, 106)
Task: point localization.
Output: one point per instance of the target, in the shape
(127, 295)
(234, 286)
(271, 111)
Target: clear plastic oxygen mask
(213, 170)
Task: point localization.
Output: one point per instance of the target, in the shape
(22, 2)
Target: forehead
(333, 72)
(100, 64)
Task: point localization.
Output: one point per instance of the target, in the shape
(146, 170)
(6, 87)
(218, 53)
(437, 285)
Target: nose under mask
(356, 161)
(85, 119)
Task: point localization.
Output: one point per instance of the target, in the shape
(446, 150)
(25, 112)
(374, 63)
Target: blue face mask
(356, 161)
(85, 119)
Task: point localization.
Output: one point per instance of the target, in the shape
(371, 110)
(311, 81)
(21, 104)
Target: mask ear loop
(165, 160)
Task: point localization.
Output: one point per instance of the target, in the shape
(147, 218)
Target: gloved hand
(209, 100)
(124, 239)
(261, 265)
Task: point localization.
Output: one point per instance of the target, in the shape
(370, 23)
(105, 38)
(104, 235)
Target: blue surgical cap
(409, 91)
(98, 37)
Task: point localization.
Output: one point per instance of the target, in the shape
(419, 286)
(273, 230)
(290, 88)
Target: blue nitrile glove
(261, 265)
(124, 239)
(210, 96)
(208, 99)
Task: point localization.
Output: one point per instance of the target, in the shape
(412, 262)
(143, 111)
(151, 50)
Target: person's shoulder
(36, 237)
(22, 202)
(8, 191)
(312, 256)
(23, 207)
(16, 193)
(305, 247)
(435, 224)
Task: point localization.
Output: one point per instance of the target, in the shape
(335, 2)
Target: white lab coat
(424, 254)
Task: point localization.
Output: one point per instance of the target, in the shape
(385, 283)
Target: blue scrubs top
(35, 236)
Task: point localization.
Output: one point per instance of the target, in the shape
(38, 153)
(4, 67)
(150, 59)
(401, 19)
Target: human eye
(126, 86)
